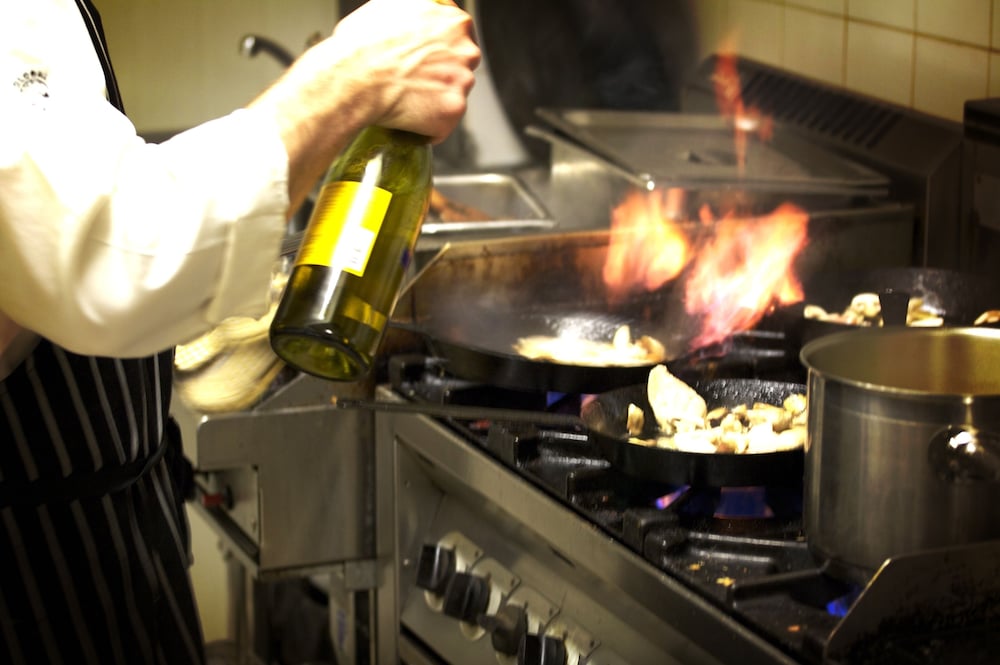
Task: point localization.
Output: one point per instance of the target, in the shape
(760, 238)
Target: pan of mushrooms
(930, 298)
(716, 433)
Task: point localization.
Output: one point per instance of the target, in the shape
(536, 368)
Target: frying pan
(604, 421)
(958, 297)
(606, 415)
(476, 300)
(480, 347)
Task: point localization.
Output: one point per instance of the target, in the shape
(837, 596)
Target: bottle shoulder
(390, 157)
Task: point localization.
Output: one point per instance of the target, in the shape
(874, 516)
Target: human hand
(404, 64)
(410, 63)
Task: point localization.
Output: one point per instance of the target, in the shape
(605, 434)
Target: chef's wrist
(317, 112)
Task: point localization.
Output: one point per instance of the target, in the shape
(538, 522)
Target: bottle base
(320, 355)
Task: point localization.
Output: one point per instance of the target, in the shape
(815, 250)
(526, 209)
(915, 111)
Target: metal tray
(512, 208)
(509, 204)
(695, 151)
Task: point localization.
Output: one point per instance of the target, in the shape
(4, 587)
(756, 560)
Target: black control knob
(435, 568)
(466, 597)
(506, 628)
(542, 650)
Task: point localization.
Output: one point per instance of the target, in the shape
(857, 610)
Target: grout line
(989, 60)
(847, 30)
(913, 59)
(847, 18)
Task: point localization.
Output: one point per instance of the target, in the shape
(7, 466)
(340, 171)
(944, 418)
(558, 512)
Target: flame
(647, 247)
(743, 270)
(729, 99)
(736, 269)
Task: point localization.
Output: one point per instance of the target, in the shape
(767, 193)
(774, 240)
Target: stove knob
(541, 650)
(435, 567)
(466, 597)
(506, 628)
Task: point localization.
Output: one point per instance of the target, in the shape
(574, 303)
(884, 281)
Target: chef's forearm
(124, 248)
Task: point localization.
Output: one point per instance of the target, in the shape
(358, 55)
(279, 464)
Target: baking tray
(695, 151)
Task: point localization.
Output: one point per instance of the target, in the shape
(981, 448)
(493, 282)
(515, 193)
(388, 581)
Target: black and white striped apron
(93, 539)
(94, 555)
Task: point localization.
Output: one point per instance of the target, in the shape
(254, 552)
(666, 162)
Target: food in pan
(676, 405)
(866, 310)
(621, 350)
(686, 424)
(449, 210)
(989, 316)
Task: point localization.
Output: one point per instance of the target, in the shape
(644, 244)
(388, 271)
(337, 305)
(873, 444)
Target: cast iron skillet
(605, 419)
(959, 297)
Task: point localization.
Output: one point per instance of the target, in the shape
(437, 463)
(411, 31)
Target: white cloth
(108, 245)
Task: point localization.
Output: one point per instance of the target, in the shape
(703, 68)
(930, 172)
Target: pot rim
(866, 335)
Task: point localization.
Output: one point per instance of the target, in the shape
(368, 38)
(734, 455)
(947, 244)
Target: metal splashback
(920, 154)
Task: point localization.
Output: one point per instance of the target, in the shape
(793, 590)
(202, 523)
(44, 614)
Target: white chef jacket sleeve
(113, 246)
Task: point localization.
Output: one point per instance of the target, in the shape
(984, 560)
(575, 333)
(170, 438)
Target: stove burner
(839, 607)
(737, 502)
(733, 503)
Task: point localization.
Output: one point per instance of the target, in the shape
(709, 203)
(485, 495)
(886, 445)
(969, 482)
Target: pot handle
(965, 455)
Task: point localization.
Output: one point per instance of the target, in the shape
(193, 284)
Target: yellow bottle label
(344, 225)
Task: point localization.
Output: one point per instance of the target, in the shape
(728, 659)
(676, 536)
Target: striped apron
(93, 536)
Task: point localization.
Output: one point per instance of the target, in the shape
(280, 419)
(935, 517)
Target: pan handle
(463, 412)
(894, 305)
(962, 455)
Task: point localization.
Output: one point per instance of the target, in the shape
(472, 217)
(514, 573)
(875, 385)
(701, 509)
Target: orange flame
(647, 247)
(729, 99)
(743, 270)
(736, 268)
(736, 271)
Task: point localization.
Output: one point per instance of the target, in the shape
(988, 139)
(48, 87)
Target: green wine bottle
(357, 245)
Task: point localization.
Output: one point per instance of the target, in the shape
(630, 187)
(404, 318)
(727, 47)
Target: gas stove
(517, 542)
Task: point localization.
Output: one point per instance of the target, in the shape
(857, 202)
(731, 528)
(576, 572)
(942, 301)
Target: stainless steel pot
(901, 454)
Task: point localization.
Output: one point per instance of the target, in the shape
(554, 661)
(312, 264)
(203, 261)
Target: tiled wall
(930, 55)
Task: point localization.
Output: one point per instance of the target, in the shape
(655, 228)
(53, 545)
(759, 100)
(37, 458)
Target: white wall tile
(880, 62)
(759, 30)
(888, 49)
(965, 21)
(946, 75)
(828, 6)
(814, 45)
(895, 13)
